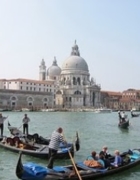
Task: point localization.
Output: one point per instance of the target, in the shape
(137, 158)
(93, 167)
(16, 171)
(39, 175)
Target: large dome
(54, 70)
(75, 63)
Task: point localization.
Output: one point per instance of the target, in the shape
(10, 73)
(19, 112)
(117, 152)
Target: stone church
(73, 86)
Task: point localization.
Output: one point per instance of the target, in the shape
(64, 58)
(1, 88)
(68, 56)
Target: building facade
(126, 100)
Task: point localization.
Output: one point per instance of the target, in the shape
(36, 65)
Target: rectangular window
(21, 87)
(27, 88)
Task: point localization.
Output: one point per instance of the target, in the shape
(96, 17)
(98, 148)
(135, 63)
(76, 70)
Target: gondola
(16, 144)
(32, 171)
(37, 138)
(124, 124)
(134, 115)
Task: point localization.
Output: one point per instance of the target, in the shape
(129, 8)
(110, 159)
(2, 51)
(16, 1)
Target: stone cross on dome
(55, 61)
(75, 50)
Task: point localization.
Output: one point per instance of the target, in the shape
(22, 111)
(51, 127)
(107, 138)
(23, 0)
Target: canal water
(95, 131)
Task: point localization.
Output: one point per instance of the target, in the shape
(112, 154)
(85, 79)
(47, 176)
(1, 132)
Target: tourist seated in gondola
(106, 156)
(118, 159)
(93, 156)
(99, 163)
(105, 152)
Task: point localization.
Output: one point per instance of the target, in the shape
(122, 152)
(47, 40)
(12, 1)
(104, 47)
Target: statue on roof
(92, 81)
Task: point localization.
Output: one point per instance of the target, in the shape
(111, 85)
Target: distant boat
(103, 110)
(25, 109)
(133, 109)
(124, 124)
(47, 110)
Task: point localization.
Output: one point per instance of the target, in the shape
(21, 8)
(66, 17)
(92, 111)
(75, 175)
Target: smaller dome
(54, 70)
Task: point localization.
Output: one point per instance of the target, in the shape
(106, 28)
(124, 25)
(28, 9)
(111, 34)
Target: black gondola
(37, 138)
(37, 146)
(124, 124)
(35, 150)
(134, 115)
(31, 171)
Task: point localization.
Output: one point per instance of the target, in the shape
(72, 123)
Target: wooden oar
(20, 126)
(72, 160)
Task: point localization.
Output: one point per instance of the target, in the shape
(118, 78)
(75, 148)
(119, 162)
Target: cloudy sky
(107, 33)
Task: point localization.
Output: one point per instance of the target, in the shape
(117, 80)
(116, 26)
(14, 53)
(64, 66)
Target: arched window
(64, 80)
(58, 92)
(78, 81)
(13, 98)
(45, 99)
(30, 99)
(30, 104)
(77, 92)
(74, 81)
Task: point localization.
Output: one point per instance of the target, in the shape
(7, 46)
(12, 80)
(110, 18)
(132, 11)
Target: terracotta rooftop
(111, 93)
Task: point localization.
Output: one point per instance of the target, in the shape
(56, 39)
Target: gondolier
(25, 121)
(55, 141)
(2, 118)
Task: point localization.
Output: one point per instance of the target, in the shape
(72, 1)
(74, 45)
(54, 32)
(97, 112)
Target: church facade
(67, 87)
(73, 86)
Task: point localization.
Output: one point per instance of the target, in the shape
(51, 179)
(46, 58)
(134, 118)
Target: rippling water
(95, 131)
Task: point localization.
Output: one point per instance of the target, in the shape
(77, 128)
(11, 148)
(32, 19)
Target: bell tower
(42, 71)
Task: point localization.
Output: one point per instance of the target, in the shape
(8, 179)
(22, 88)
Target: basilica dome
(54, 70)
(75, 62)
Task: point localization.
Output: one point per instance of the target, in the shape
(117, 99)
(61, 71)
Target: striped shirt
(55, 141)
